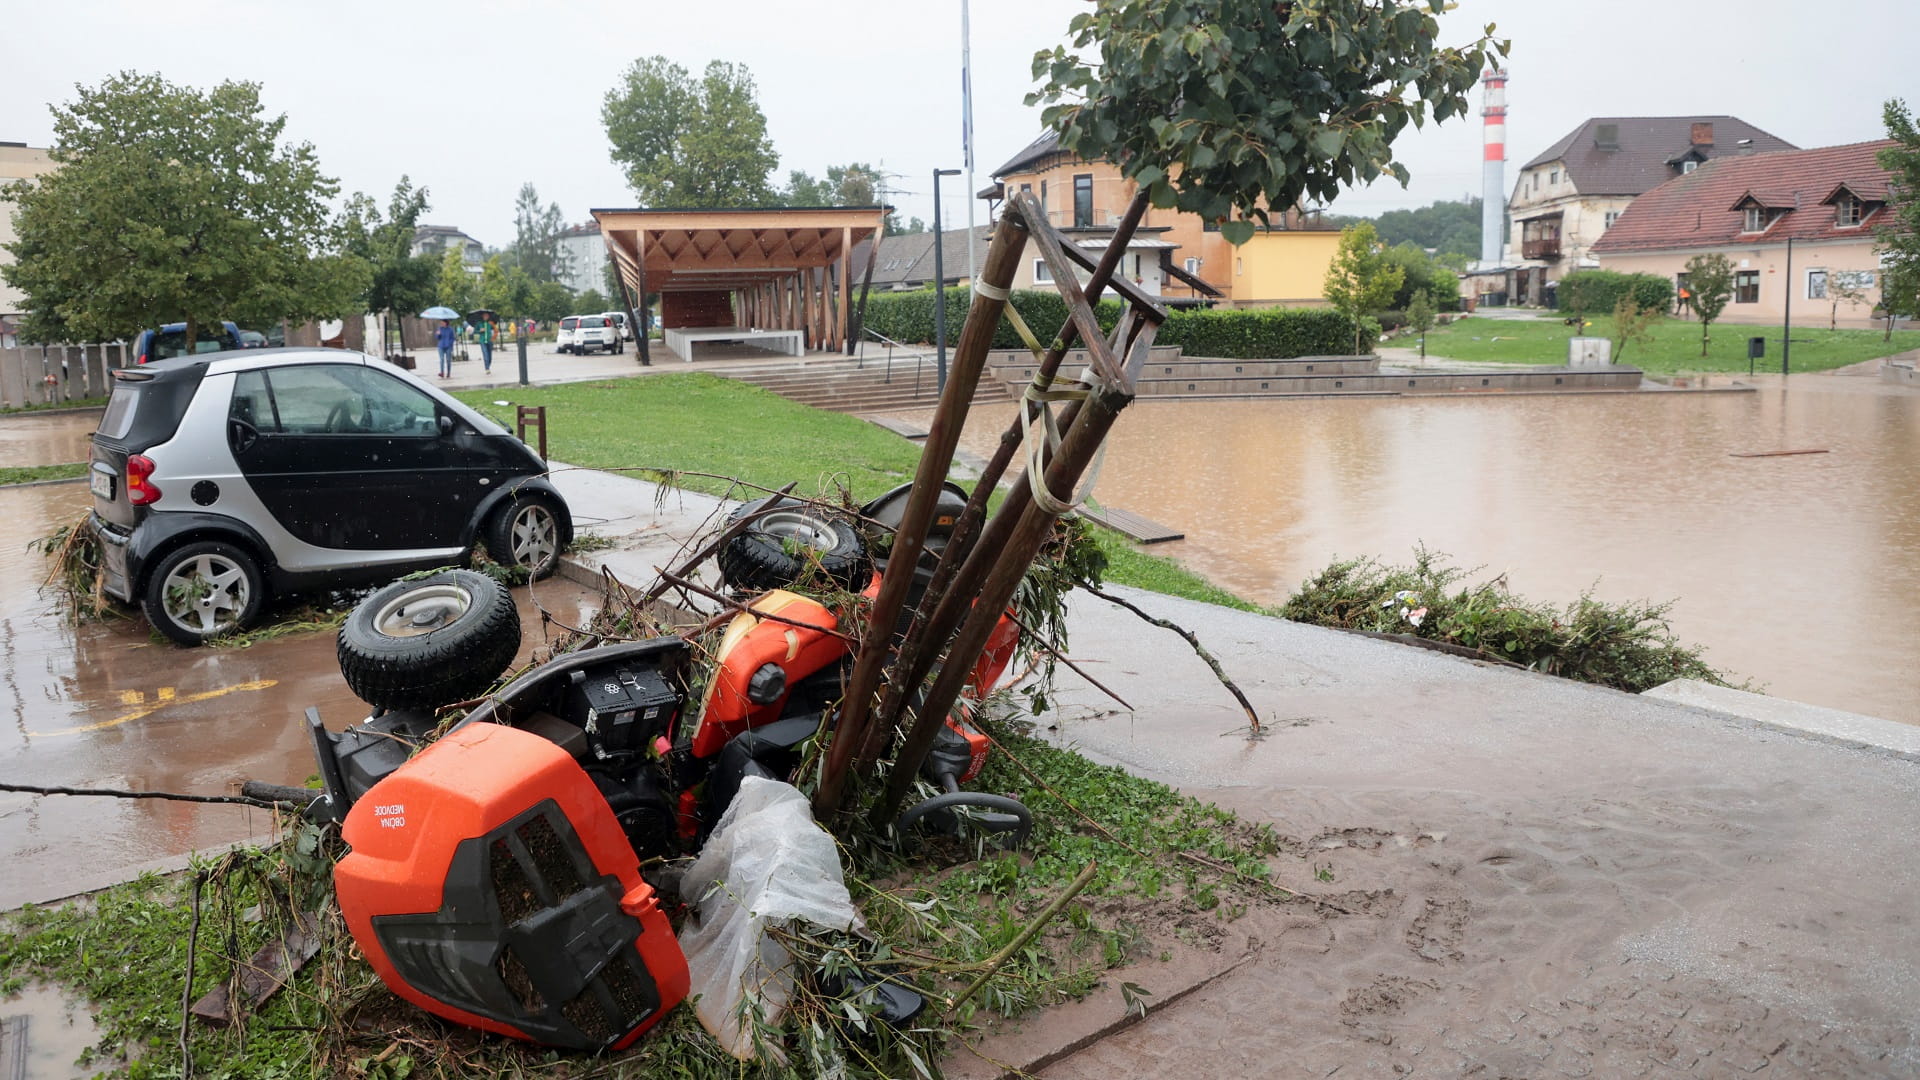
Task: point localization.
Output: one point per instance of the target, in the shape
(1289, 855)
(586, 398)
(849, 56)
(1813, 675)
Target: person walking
(444, 338)
(485, 333)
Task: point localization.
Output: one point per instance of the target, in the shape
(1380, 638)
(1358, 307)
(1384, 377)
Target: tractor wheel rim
(800, 528)
(421, 611)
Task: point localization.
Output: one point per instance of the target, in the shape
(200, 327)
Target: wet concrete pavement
(104, 705)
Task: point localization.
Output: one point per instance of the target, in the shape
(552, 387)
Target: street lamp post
(939, 287)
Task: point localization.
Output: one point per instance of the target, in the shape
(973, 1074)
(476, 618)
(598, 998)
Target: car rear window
(569, 323)
(593, 320)
(171, 343)
(121, 406)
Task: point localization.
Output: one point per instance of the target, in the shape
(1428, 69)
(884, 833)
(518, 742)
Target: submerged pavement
(1543, 877)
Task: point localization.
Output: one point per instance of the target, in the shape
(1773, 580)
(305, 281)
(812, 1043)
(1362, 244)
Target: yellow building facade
(1175, 253)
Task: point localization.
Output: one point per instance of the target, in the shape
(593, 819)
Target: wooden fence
(55, 374)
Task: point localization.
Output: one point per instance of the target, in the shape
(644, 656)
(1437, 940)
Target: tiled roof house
(1828, 201)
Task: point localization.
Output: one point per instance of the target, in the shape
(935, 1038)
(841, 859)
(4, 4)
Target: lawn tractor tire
(784, 545)
(429, 641)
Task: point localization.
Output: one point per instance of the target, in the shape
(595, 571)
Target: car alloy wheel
(203, 590)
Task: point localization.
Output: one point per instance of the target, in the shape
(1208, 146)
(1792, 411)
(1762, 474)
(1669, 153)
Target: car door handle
(242, 435)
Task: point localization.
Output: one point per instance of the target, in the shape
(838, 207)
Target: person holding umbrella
(443, 337)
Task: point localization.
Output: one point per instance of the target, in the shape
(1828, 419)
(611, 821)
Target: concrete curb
(1851, 730)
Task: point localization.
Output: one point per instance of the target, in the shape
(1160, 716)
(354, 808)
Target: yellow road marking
(167, 697)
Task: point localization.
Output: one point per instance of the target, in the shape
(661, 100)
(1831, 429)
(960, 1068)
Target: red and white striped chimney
(1493, 181)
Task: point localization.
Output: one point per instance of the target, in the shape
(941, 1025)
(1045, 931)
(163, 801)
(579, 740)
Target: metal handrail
(919, 358)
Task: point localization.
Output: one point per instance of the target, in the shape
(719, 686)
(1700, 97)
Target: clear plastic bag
(767, 863)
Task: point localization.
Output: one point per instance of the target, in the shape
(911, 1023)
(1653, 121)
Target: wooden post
(1077, 450)
(846, 270)
(936, 456)
(957, 575)
(640, 283)
(859, 328)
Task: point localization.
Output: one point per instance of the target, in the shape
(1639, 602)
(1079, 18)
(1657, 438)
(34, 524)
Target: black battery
(621, 709)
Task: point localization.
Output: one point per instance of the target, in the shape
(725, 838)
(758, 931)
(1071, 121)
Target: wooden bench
(1131, 525)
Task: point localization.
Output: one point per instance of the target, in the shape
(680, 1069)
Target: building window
(1846, 212)
(1043, 194)
(1746, 287)
(1193, 266)
(1756, 220)
(1816, 284)
(1238, 266)
(1612, 216)
(1553, 177)
(1042, 274)
(1083, 201)
(1688, 166)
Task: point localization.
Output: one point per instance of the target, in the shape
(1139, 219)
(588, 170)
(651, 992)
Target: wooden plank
(1131, 525)
(13, 1048)
(262, 975)
(1778, 453)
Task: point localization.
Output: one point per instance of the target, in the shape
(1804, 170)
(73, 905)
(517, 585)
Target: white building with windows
(584, 259)
(1571, 193)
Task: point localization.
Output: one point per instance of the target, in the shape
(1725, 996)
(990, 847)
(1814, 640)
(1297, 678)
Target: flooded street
(102, 705)
(1796, 572)
(53, 439)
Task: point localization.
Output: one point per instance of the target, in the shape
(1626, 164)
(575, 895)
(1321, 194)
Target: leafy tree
(803, 190)
(593, 300)
(895, 228)
(1843, 287)
(1421, 272)
(1225, 108)
(1446, 227)
(400, 281)
(506, 288)
(1361, 279)
(1900, 240)
(690, 143)
(845, 185)
(551, 301)
(536, 237)
(457, 288)
(171, 203)
(1710, 279)
(1632, 324)
(1420, 318)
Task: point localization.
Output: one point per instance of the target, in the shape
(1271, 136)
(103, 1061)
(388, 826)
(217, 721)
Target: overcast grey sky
(473, 98)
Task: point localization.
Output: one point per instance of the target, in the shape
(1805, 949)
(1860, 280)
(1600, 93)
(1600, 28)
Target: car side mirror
(446, 424)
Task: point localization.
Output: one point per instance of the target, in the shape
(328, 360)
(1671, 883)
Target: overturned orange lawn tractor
(494, 877)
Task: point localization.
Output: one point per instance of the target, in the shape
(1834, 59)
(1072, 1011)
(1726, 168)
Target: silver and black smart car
(221, 479)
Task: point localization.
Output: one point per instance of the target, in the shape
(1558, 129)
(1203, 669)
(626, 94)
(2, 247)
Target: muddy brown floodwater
(102, 705)
(27, 439)
(1800, 573)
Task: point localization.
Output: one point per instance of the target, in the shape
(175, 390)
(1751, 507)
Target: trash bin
(1756, 348)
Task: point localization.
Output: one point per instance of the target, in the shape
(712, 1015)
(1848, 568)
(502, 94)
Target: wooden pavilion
(779, 273)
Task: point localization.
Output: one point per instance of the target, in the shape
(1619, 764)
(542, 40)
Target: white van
(568, 334)
(620, 320)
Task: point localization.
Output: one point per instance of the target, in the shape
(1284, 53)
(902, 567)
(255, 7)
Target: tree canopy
(1361, 279)
(1446, 227)
(686, 142)
(536, 237)
(1710, 280)
(1900, 241)
(170, 204)
(398, 280)
(1225, 108)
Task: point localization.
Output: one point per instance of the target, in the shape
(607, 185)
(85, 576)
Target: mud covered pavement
(103, 705)
(1546, 878)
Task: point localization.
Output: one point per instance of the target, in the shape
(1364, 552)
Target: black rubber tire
(463, 633)
(241, 596)
(758, 558)
(1003, 815)
(526, 533)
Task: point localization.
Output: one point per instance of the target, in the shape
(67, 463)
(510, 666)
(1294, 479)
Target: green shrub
(1234, 334)
(1594, 291)
(1626, 646)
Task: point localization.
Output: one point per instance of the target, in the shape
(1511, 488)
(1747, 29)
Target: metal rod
(1786, 332)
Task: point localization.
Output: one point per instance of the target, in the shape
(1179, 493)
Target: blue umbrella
(439, 313)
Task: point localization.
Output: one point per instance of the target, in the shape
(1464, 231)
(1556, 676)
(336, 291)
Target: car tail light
(140, 489)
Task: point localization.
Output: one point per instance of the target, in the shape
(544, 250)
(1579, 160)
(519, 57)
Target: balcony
(1541, 247)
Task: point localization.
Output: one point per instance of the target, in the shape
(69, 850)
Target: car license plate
(102, 484)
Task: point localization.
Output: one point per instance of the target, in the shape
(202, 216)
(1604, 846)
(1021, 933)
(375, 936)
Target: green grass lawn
(1675, 344)
(705, 424)
(27, 474)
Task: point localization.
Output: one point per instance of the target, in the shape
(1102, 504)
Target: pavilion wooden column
(846, 258)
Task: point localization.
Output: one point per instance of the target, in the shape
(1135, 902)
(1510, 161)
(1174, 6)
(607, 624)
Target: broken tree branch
(1253, 718)
(1020, 940)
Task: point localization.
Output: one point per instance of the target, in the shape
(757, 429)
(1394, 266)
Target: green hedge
(1246, 334)
(1597, 292)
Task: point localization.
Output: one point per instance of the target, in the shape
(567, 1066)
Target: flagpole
(966, 127)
